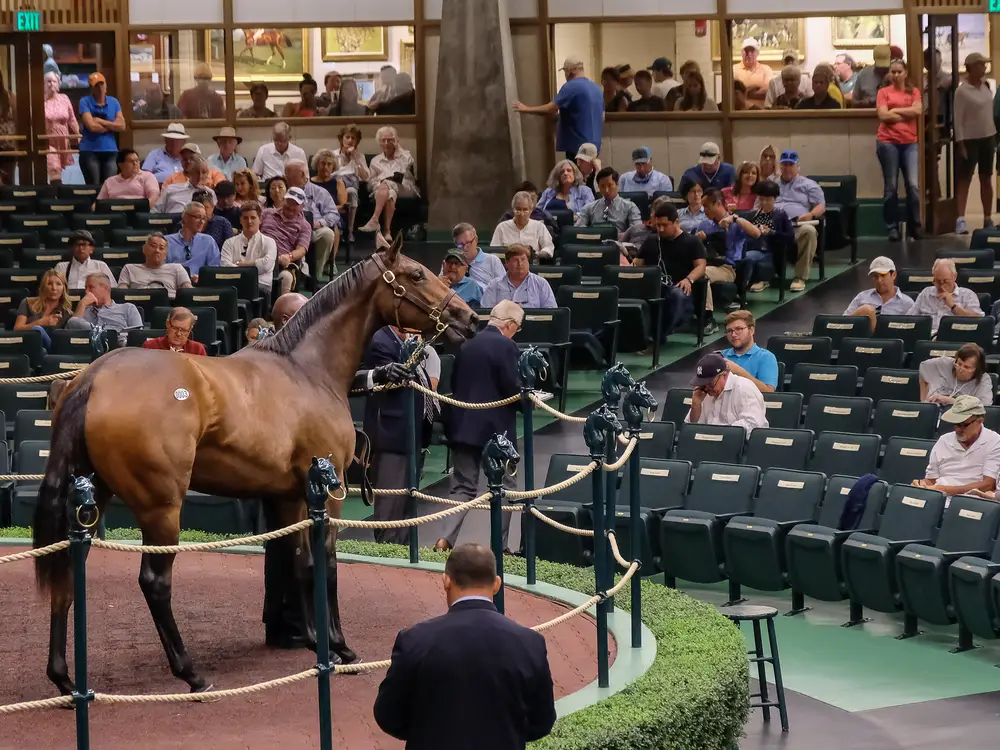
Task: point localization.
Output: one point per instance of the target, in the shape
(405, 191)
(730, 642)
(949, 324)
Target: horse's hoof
(206, 692)
(346, 656)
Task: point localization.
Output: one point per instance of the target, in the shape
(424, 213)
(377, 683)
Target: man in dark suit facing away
(470, 679)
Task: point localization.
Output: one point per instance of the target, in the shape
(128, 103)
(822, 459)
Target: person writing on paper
(943, 379)
(965, 461)
(720, 397)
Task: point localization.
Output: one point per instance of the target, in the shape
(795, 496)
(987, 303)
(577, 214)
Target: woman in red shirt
(899, 106)
(740, 197)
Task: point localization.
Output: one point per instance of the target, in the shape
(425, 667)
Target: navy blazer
(468, 680)
(385, 416)
(485, 370)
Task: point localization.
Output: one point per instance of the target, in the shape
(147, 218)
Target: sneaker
(916, 233)
(711, 328)
(960, 226)
(894, 235)
(988, 223)
(798, 285)
(760, 286)
(733, 306)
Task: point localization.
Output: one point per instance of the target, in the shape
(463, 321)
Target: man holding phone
(724, 398)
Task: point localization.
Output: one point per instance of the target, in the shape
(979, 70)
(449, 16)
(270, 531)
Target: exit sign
(994, 6)
(28, 20)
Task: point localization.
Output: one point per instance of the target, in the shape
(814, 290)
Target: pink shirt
(743, 203)
(897, 132)
(143, 185)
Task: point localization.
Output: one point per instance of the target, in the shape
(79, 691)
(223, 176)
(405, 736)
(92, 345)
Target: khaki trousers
(807, 238)
(325, 239)
(718, 275)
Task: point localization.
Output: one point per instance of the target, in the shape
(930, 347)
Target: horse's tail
(68, 455)
(288, 39)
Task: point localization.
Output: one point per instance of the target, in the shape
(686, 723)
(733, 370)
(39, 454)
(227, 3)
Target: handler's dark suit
(468, 680)
(485, 370)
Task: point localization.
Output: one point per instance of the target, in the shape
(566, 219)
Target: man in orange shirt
(180, 323)
(754, 75)
(188, 153)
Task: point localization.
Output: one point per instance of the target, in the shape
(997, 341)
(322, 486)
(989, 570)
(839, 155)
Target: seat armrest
(950, 557)
(786, 526)
(897, 546)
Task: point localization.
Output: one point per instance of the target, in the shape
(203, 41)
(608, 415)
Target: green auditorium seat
(966, 258)
(905, 419)
(65, 206)
(912, 281)
(548, 329)
(24, 222)
(784, 410)
(641, 199)
(911, 516)
(146, 300)
(224, 300)
(663, 483)
(981, 281)
(905, 459)
(639, 301)
(926, 349)
(968, 529)
(838, 413)
(899, 385)
(23, 342)
(594, 323)
(967, 330)
(841, 194)
(129, 237)
(566, 507)
(120, 255)
(32, 424)
(6, 488)
(710, 442)
(985, 238)
(794, 350)
(153, 222)
(587, 235)
(755, 545)
(832, 380)
(84, 193)
(846, 453)
(217, 515)
(676, 405)
(656, 440)
(840, 327)
(103, 222)
(864, 353)
(30, 459)
(15, 241)
(26, 191)
(691, 538)
(123, 206)
(777, 448)
(58, 239)
(53, 363)
(591, 258)
(812, 551)
(21, 278)
(139, 336)
(44, 259)
(14, 366)
(908, 328)
(974, 587)
(623, 533)
(559, 275)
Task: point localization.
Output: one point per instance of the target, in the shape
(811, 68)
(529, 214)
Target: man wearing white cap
(884, 298)
(975, 139)
(163, 162)
(190, 153)
(710, 171)
(580, 107)
(589, 164)
(753, 74)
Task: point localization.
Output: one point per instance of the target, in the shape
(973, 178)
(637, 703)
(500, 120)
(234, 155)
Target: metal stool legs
(754, 615)
(776, 665)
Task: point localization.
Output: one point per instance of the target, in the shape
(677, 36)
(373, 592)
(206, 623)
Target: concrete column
(478, 151)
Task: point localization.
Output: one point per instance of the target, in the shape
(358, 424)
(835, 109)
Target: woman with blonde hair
(352, 169)
(565, 190)
(247, 187)
(49, 310)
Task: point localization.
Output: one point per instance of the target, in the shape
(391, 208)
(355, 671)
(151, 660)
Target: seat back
(676, 405)
(103, 222)
(24, 222)
(561, 467)
(129, 237)
(784, 409)
(710, 442)
(53, 363)
(31, 458)
(794, 350)
(118, 256)
(834, 380)
(787, 495)
(632, 282)
(899, 385)
(663, 483)
(777, 448)
(721, 488)
(146, 300)
(121, 205)
(591, 307)
(838, 413)
(23, 342)
(71, 342)
(140, 336)
(21, 278)
(967, 330)
(985, 238)
(156, 222)
(925, 350)
(86, 194)
(911, 513)
(32, 424)
(838, 189)
(839, 327)
(865, 353)
(846, 453)
(544, 326)
(906, 419)
(913, 280)
(981, 281)
(964, 257)
(223, 299)
(641, 200)
(656, 440)
(591, 258)
(559, 275)
(14, 366)
(835, 498)
(905, 459)
(587, 235)
(969, 524)
(908, 328)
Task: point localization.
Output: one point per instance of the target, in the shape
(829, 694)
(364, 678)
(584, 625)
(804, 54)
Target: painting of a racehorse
(276, 39)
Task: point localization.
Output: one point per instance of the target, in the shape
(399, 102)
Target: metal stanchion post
(322, 478)
(600, 549)
(527, 519)
(83, 517)
(499, 458)
(610, 497)
(637, 531)
(411, 470)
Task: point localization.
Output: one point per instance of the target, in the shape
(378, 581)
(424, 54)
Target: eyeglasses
(177, 329)
(187, 252)
(967, 423)
(731, 331)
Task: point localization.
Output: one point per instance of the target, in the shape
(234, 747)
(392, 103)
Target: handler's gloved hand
(394, 372)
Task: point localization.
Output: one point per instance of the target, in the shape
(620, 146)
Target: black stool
(754, 614)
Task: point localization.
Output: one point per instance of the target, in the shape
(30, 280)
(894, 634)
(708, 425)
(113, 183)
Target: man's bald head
(285, 307)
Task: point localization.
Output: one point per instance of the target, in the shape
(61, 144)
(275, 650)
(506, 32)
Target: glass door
(940, 37)
(15, 110)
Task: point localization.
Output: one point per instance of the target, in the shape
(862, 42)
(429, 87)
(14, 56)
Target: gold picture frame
(774, 35)
(407, 60)
(257, 61)
(859, 32)
(355, 43)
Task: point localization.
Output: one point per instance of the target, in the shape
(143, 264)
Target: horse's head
(595, 431)
(637, 398)
(532, 366)
(413, 297)
(500, 457)
(615, 379)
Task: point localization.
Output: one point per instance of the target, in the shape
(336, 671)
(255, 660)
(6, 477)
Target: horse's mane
(319, 306)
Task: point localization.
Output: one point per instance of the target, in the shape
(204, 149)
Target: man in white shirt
(272, 157)
(884, 298)
(522, 229)
(663, 77)
(722, 398)
(76, 271)
(967, 460)
(175, 197)
(946, 297)
(252, 248)
(975, 139)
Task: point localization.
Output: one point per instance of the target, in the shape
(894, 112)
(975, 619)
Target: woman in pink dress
(60, 120)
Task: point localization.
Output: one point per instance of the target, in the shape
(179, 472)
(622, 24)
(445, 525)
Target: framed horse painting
(355, 43)
(278, 55)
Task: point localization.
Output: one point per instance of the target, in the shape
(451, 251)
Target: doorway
(940, 34)
(30, 143)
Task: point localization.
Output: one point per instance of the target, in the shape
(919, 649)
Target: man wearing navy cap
(663, 76)
(803, 201)
(644, 178)
(454, 273)
(724, 398)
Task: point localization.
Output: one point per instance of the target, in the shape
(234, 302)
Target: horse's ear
(392, 252)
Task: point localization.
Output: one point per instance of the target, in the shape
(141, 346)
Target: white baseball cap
(751, 42)
(881, 265)
(296, 194)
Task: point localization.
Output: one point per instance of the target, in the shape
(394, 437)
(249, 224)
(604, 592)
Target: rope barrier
(624, 456)
(21, 477)
(172, 549)
(554, 412)
(346, 523)
(62, 700)
(616, 552)
(365, 666)
(211, 696)
(46, 378)
(464, 404)
(562, 527)
(40, 552)
(556, 487)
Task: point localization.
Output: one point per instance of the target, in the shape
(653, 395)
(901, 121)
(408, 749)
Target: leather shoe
(284, 640)
(442, 545)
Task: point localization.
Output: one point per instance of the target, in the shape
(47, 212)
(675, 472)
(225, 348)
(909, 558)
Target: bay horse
(152, 424)
(277, 40)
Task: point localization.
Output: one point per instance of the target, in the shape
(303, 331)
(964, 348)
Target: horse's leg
(61, 599)
(285, 619)
(281, 52)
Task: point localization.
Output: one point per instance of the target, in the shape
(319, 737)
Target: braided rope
(554, 412)
(365, 666)
(21, 477)
(62, 700)
(207, 697)
(46, 378)
(172, 549)
(562, 527)
(483, 506)
(616, 552)
(464, 404)
(345, 523)
(40, 552)
(568, 615)
(623, 458)
(554, 488)
(623, 580)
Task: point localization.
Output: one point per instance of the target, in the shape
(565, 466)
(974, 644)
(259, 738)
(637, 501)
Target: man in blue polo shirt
(189, 246)
(454, 274)
(579, 104)
(745, 358)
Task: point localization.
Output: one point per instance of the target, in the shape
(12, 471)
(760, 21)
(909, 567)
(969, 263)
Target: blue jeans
(98, 166)
(46, 339)
(761, 260)
(894, 157)
(677, 309)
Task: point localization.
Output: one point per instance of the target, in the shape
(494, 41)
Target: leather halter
(401, 293)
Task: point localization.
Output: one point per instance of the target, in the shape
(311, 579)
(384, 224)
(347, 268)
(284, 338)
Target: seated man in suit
(472, 677)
